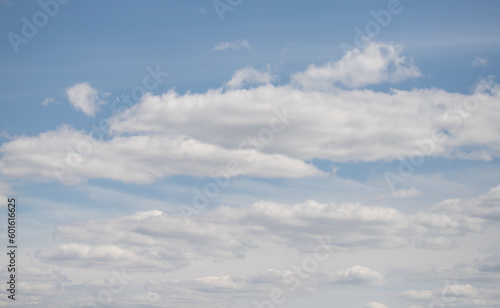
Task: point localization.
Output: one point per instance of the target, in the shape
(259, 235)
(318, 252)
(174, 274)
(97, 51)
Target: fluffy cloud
(375, 63)
(136, 159)
(84, 98)
(340, 126)
(358, 275)
(270, 130)
(164, 241)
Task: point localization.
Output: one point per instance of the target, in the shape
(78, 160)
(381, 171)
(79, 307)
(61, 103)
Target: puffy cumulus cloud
(154, 240)
(375, 63)
(358, 275)
(454, 295)
(249, 76)
(338, 125)
(232, 45)
(73, 157)
(84, 98)
(145, 241)
(375, 305)
(272, 130)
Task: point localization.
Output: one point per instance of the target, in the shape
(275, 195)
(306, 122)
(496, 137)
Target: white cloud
(478, 61)
(455, 295)
(344, 125)
(84, 98)
(280, 127)
(136, 159)
(232, 45)
(249, 76)
(375, 63)
(153, 241)
(164, 241)
(358, 275)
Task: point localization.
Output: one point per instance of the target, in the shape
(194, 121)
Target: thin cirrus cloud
(402, 193)
(238, 44)
(479, 61)
(84, 98)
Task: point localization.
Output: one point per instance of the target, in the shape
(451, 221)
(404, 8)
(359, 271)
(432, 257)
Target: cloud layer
(268, 130)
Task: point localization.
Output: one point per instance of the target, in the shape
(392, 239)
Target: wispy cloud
(232, 45)
(249, 76)
(47, 101)
(478, 61)
(402, 193)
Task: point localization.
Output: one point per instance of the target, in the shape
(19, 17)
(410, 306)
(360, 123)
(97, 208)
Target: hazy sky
(250, 153)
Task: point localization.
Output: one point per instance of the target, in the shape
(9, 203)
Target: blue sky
(325, 145)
